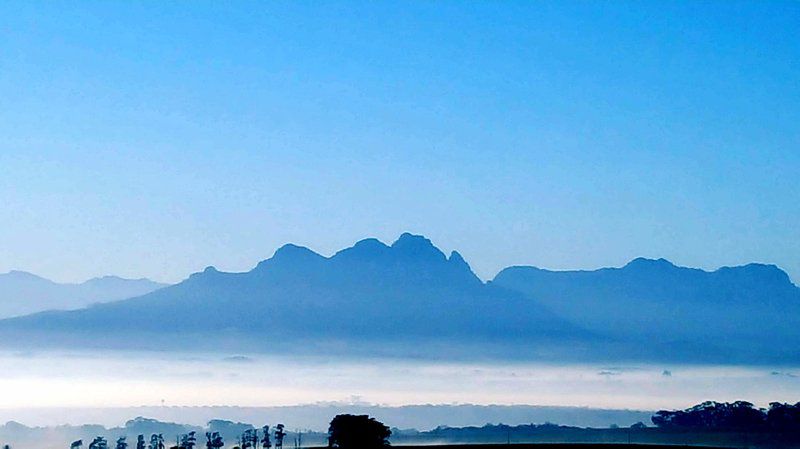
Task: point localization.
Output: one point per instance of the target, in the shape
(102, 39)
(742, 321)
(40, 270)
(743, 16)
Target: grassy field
(545, 446)
(550, 446)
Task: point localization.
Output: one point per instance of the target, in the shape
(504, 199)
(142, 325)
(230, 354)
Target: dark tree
(214, 440)
(187, 441)
(76, 444)
(265, 441)
(140, 442)
(156, 441)
(784, 417)
(739, 415)
(279, 436)
(357, 432)
(121, 443)
(249, 439)
(99, 443)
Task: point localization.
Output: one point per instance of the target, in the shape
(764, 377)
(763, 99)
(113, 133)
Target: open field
(545, 446)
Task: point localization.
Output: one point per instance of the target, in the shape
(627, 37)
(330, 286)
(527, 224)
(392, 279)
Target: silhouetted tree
(265, 441)
(739, 415)
(140, 444)
(784, 417)
(214, 440)
(98, 443)
(121, 443)
(357, 432)
(279, 436)
(156, 441)
(250, 439)
(76, 444)
(187, 441)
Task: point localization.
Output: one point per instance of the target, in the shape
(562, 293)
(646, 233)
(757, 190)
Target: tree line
(345, 432)
(250, 439)
(738, 416)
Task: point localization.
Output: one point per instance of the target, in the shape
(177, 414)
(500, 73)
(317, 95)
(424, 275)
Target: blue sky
(155, 138)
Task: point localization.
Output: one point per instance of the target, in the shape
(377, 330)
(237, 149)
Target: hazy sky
(153, 139)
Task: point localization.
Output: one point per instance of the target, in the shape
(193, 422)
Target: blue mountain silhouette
(409, 291)
(753, 307)
(23, 293)
(409, 298)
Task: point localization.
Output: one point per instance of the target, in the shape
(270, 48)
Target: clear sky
(155, 138)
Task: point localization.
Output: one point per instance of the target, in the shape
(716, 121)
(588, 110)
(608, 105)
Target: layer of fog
(35, 388)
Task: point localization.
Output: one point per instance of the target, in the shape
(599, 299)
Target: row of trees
(739, 415)
(345, 432)
(250, 439)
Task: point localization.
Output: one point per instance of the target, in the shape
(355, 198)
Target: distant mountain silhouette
(409, 291)
(751, 306)
(23, 293)
(410, 299)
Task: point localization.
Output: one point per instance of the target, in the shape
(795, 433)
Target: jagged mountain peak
(455, 257)
(417, 246)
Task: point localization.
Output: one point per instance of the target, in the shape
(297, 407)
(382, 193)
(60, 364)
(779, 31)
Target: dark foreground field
(544, 446)
(547, 446)
(559, 437)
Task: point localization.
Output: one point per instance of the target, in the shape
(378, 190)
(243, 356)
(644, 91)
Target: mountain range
(411, 299)
(652, 298)
(23, 293)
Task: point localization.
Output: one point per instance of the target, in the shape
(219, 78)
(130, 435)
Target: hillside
(23, 293)
(410, 299)
(752, 307)
(384, 295)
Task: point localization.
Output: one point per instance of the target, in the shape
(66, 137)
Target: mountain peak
(290, 255)
(759, 272)
(455, 257)
(292, 251)
(460, 265)
(20, 275)
(364, 249)
(642, 262)
(417, 245)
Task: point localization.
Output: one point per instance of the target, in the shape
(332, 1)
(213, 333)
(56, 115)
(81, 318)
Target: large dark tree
(214, 440)
(357, 432)
(99, 443)
(739, 415)
(784, 417)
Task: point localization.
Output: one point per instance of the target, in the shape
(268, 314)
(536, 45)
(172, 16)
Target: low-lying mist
(35, 387)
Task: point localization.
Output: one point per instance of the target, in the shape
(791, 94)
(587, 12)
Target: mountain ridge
(409, 296)
(22, 292)
(408, 291)
(660, 297)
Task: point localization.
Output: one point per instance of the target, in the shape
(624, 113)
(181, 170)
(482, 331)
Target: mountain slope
(656, 300)
(24, 293)
(409, 291)
(410, 299)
